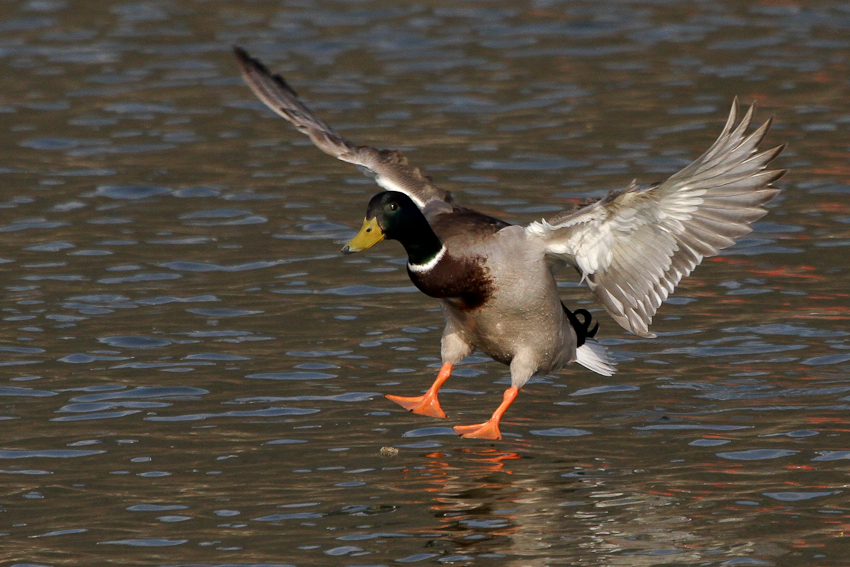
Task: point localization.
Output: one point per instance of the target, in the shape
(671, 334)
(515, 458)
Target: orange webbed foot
(487, 430)
(427, 404)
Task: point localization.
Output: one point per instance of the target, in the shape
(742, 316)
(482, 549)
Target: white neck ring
(429, 265)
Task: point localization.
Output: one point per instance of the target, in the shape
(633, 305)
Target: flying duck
(495, 280)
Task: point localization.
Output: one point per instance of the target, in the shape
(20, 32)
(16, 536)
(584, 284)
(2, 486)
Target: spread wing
(389, 167)
(634, 246)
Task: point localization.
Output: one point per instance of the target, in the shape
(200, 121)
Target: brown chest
(466, 282)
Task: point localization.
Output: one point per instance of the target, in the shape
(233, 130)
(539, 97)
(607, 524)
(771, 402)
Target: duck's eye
(393, 206)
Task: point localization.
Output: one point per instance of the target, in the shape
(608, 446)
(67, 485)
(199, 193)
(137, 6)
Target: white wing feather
(634, 246)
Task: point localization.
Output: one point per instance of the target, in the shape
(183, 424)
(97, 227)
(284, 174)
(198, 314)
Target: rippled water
(190, 373)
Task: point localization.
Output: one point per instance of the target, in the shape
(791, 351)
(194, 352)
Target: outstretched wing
(389, 167)
(634, 246)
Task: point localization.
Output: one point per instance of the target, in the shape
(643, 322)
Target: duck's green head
(394, 216)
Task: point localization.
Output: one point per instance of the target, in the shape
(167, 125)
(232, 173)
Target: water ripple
(560, 432)
(18, 391)
(798, 496)
(48, 453)
(92, 416)
(132, 342)
(757, 454)
(183, 266)
(144, 392)
(151, 542)
(291, 376)
(131, 192)
(268, 412)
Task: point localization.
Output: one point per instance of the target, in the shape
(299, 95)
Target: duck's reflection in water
(489, 503)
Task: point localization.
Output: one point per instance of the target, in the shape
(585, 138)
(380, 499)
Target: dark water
(192, 375)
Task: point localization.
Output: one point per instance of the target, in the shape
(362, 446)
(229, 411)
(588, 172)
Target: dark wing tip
(240, 53)
(250, 65)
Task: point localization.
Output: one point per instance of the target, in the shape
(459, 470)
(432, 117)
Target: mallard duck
(495, 280)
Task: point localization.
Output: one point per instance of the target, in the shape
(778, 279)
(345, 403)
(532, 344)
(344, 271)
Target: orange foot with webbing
(426, 404)
(490, 428)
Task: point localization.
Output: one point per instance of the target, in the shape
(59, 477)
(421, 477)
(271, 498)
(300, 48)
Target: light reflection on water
(192, 372)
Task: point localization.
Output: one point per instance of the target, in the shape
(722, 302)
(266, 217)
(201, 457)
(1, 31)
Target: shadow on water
(191, 374)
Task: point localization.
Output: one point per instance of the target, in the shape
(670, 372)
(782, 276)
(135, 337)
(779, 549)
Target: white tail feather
(594, 356)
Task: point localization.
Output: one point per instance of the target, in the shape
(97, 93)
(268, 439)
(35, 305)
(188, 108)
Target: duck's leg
(426, 404)
(490, 428)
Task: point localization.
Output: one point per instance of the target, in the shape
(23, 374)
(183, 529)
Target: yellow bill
(369, 235)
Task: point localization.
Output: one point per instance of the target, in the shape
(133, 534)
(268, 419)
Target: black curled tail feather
(582, 328)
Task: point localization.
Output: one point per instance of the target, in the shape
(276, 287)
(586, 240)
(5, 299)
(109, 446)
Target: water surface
(191, 374)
